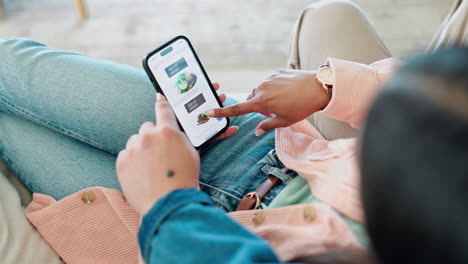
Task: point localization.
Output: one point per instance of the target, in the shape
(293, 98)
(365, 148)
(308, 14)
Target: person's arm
(293, 95)
(185, 227)
(180, 224)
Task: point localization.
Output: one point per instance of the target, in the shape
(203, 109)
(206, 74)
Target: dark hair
(338, 257)
(414, 163)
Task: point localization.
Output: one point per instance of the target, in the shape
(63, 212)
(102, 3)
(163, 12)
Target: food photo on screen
(202, 118)
(185, 81)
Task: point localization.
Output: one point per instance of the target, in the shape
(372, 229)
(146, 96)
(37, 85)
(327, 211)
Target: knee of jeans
(19, 42)
(330, 10)
(12, 53)
(9, 48)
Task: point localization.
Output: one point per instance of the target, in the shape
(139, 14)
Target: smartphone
(176, 72)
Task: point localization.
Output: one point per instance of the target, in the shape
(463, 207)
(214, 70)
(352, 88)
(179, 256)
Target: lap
(69, 114)
(234, 166)
(55, 164)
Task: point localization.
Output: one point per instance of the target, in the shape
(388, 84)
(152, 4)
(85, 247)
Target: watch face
(324, 75)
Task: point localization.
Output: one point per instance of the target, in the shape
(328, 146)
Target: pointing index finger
(234, 110)
(164, 114)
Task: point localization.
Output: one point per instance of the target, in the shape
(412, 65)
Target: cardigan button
(258, 218)
(87, 197)
(309, 213)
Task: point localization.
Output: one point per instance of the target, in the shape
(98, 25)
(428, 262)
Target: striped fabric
(96, 225)
(300, 230)
(330, 167)
(101, 231)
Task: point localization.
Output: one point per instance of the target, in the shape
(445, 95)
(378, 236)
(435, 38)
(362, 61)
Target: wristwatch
(325, 77)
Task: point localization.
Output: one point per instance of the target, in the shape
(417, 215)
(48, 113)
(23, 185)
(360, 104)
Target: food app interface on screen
(187, 90)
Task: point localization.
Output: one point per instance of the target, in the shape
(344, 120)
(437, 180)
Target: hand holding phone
(176, 72)
(154, 167)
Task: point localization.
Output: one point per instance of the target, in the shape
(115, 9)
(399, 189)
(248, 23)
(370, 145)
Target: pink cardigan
(96, 225)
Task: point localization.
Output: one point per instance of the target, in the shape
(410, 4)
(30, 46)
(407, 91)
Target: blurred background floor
(240, 42)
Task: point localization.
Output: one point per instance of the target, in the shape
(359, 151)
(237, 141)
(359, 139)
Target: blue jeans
(64, 116)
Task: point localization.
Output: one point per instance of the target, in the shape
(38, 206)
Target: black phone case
(159, 90)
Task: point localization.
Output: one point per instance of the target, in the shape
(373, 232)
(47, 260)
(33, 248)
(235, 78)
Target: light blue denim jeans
(64, 116)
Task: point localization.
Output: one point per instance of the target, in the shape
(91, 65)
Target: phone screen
(188, 90)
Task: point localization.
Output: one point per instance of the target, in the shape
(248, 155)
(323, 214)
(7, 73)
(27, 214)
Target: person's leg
(337, 29)
(68, 113)
(97, 102)
(84, 110)
(52, 163)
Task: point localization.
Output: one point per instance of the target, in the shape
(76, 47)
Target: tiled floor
(240, 42)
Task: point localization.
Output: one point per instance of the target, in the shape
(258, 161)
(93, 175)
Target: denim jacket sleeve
(185, 227)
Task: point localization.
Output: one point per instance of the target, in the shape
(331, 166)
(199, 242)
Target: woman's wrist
(321, 95)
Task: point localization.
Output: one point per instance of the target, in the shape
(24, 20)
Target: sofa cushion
(19, 241)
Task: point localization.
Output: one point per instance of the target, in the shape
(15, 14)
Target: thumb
(271, 123)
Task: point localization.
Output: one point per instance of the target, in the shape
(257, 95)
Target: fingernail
(209, 112)
(236, 128)
(259, 132)
(266, 113)
(159, 96)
